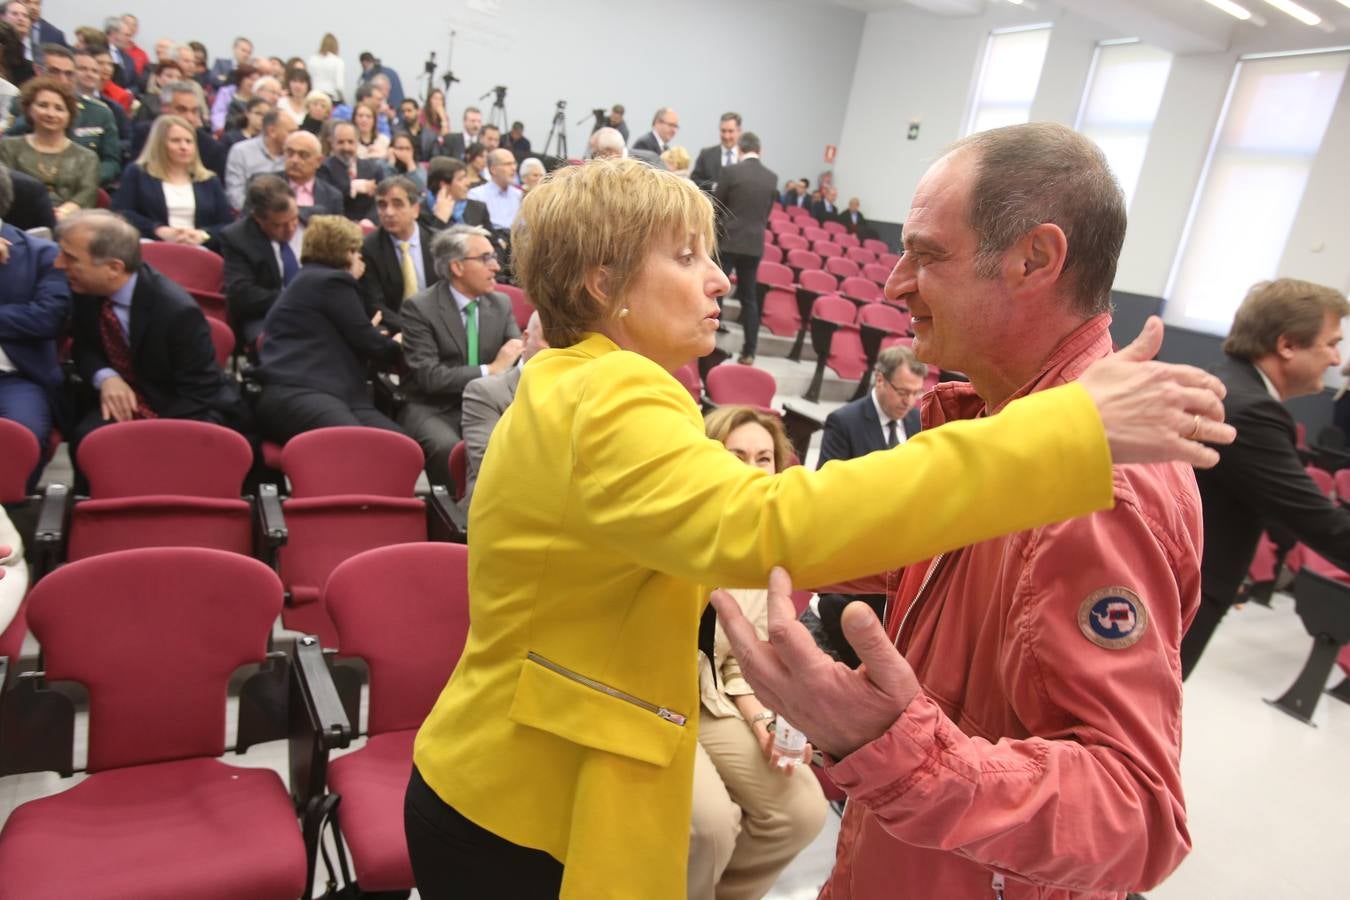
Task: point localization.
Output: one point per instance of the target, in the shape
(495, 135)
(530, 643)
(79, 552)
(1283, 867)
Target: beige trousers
(749, 820)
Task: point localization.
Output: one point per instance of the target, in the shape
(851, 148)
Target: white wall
(785, 65)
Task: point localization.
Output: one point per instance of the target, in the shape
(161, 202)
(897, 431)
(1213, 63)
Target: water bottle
(788, 744)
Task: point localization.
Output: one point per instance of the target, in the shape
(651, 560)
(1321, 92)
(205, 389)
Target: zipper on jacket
(997, 885)
(668, 714)
(918, 597)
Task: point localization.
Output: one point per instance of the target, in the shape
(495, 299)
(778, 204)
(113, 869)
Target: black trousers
(453, 857)
(747, 291)
(1206, 622)
(283, 412)
(830, 608)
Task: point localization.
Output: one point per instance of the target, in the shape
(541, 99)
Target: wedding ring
(1195, 431)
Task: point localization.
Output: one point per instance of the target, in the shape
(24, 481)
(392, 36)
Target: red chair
(876, 246)
(1342, 484)
(1323, 479)
(861, 290)
(459, 470)
(404, 610)
(815, 233)
(827, 249)
(781, 227)
(835, 228)
(19, 453)
(790, 242)
(777, 299)
(841, 267)
(803, 259)
(876, 272)
(368, 228)
(162, 483)
(846, 240)
(103, 200)
(818, 281)
(778, 214)
(799, 213)
(154, 636)
(772, 253)
(222, 338)
(351, 490)
(687, 375)
(741, 385)
(521, 306)
(860, 256)
(879, 326)
(198, 271)
(889, 260)
(837, 342)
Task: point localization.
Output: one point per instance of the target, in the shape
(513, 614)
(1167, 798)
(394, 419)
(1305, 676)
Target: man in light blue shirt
(500, 193)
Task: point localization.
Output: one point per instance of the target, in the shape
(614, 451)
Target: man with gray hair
(184, 98)
(665, 124)
(607, 143)
(264, 153)
(455, 331)
(1017, 725)
(141, 343)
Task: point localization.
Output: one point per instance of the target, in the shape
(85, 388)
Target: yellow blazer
(601, 519)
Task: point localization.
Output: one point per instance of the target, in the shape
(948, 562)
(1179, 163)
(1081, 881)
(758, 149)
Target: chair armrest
(49, 537)
(270, 518)
(800, 425)
(446, 521)
(318, 721)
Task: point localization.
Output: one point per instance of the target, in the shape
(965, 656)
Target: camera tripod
(559, 130)
(497, 115)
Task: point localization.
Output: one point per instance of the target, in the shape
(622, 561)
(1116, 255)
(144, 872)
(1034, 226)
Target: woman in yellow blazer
(558, 759)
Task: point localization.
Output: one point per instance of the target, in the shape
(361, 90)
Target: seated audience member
(1283, 340)
(232, 99)
(500, 194)
(750, 816)
(185, 100)
(517, 142)
(131, 26)
(473, 127)
(250, 126)
(117, 97)
(411, 123)
(491, 138)
(314, 196)
(69, 171)
(853, 219)
(319, 339)
(96, 127)
(168, 194)
(677, 160)
(296, 97)
(241, 51)
(531, 173)
(475, 157)
(31, 206)
(141, 343)
(398, 260)
(264, 153)
(886, 417)
(824, 209)
(17, 30)
(448, 202)
(386, 116)
(370, 143)
(160, 75)
(436, 121)
(11, 62)
(262, 254)
(403, 159)
(34, 303)
(318, 110)
(458, 330)
(486, 399)
(607, 143)
(268, 87)
(797, 193)
(354, 179)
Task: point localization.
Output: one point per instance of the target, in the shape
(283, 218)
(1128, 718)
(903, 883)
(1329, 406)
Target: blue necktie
(288, 264)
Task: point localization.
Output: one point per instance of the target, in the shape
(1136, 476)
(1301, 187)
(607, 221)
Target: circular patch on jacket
(1113, 618)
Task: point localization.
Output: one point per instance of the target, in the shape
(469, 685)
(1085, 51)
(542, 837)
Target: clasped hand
(838, 708)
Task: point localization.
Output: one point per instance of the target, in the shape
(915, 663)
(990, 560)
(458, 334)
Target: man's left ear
(1045, 250)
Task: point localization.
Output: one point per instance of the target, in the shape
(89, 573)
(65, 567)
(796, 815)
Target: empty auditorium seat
(154, 636)
(842, 267)
(19, 453)
(880, 325)
(687, 375)
(1324, 606)
(803, 259)
(521, 306)
(861, 256)
(162, 483)
(404, 611)
(772, 253)
(800, 214)
(889, 260)
(876, 246)
(744, 385)
(876, 272)
(351, 490)
(834, 228)
(827, 248)
(815, 233)
(777, 298)
(784, 226)
(790, 242)
(817, 280)
(197, 270)
(847, 240)
(222, 338)
(836, 340)
(1324, 480)
(861, 290)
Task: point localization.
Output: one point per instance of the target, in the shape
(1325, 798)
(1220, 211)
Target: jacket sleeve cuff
(892, 764)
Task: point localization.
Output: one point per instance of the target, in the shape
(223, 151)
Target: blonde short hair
(605, 215)
(1285, 307)
(676, 158)
(721, 422)
(154, 158)
(329, 241)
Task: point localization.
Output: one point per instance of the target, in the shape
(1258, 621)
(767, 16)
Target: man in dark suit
(240, 53)
(746, 192)
(354, 179)
(448, 202)
(456, 331)
(711, 160)
(31, 205)
(797, 193)
(314, 196)
(34, 303)
(141, 342)
(853, 219)
(1283, 340)
(262, 254)
(886, 417)
(825, 209)
(665, 124)
(43, 31)
(398, 253)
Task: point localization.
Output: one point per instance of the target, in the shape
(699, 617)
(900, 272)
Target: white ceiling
(1182, 26)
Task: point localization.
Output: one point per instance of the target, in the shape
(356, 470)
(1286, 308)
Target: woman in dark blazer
(168, 194)
(317, 340)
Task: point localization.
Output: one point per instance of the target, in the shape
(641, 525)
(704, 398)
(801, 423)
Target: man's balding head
(607, 143)
(304, 153)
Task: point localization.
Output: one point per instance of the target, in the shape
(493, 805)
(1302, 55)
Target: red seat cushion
(371, 782)
(190, 828)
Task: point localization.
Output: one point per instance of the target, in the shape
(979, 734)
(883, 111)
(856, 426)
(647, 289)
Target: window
(1121, 102)
(1269, 134)
(1009, 73)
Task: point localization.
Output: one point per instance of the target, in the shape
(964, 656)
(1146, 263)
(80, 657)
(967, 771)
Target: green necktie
(471, 328)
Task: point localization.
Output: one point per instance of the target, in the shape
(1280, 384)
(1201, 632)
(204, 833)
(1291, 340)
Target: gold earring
(623, 312)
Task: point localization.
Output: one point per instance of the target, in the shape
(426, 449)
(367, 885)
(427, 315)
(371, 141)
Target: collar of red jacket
(1083, 346)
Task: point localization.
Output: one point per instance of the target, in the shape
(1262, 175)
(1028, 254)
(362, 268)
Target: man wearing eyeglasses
(885, 417)
(665, 124)
(457, 330)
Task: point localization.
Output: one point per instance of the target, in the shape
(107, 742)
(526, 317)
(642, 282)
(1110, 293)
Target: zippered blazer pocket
(590, 713)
